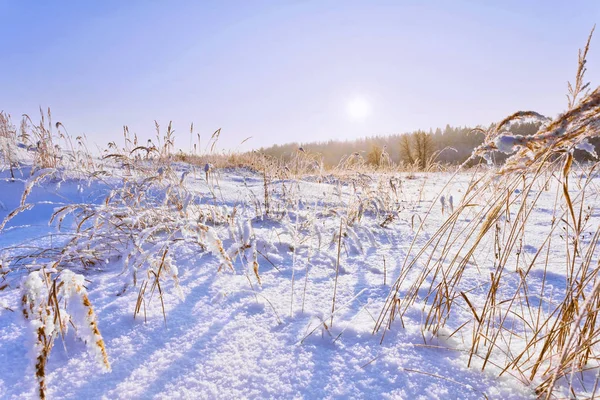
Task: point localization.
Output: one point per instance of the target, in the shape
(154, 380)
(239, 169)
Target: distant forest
(451, 145)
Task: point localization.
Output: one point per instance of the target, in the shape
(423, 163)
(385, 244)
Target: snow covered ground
(224, 334)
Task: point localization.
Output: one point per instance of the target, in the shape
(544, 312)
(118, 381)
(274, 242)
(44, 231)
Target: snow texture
(246, 331)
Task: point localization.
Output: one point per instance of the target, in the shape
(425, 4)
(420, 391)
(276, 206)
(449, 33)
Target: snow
(508, 143)
(250, 315)
(585, 145)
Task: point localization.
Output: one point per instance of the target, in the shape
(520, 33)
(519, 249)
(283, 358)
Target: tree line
(419, 149)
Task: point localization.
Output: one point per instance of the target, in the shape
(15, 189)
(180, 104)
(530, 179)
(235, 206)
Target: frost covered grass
(297, 242)
(523, 322)
(138, 215)
(316, 256)
(50, 304)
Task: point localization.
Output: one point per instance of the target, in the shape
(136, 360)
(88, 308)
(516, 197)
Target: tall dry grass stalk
(551, 339)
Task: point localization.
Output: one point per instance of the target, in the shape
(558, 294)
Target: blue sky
(283, 71)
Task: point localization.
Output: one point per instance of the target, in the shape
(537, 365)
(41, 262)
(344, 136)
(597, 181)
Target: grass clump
(516, 324)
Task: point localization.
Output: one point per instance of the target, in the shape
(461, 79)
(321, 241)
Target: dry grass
(555, 339)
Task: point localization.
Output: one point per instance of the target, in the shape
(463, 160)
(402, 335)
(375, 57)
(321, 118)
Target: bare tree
(374, 156)
(406, 149)
(423, 144)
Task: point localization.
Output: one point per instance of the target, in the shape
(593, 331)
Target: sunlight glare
(358, 109)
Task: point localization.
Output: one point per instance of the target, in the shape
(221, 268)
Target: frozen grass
(518, 325)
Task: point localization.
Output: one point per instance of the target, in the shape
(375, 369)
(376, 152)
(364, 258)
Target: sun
(358, 109)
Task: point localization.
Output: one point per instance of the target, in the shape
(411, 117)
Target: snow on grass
(189, 282)
(228, 336)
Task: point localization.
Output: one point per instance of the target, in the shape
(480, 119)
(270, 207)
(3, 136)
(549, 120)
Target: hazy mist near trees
(451, 145)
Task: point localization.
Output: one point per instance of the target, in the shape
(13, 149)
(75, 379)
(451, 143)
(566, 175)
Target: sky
(287, 71)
